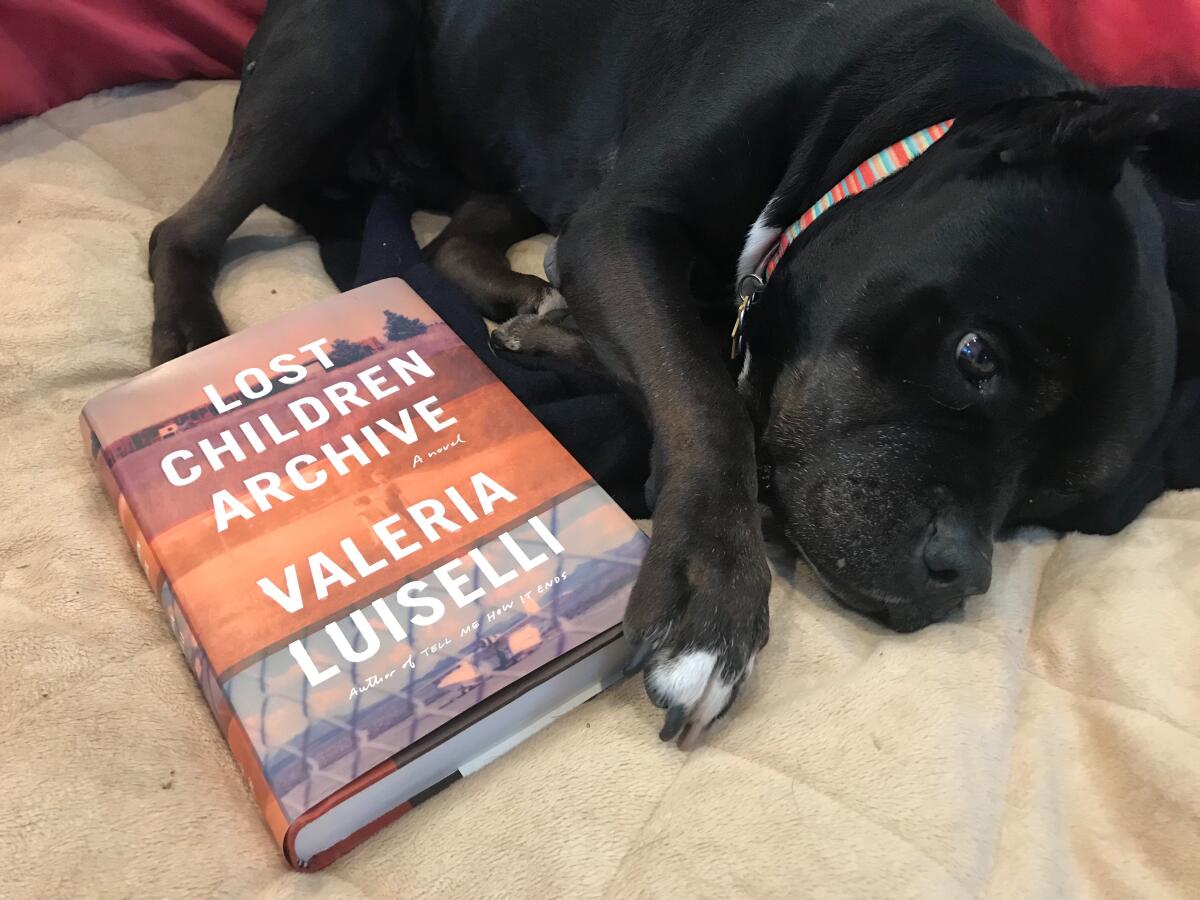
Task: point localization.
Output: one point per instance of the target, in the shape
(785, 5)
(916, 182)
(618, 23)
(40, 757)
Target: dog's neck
(878, 103)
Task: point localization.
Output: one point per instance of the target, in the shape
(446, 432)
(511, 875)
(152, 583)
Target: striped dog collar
(878, 168)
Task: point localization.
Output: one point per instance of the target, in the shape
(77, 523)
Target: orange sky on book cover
(161, 392)
(215, 574)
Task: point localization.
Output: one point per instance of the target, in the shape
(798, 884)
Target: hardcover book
(380, 568)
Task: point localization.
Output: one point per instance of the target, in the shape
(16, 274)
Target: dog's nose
(957, 559)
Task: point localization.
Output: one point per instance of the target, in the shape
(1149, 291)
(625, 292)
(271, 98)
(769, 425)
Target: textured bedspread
(1046, 743)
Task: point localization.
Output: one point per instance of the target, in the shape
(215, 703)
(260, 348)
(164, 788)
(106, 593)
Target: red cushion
(52, 51)
(1110, 42)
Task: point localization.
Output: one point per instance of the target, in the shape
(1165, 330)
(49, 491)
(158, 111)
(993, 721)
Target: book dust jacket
(358, 536)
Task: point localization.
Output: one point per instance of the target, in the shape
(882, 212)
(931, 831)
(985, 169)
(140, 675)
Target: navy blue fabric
(589, 416)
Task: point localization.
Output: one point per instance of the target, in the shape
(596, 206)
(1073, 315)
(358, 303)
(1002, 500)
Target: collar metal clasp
(748, 290)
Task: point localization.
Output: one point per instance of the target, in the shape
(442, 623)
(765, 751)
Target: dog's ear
(1170, 151)
(1094, 135)
(1077, 133)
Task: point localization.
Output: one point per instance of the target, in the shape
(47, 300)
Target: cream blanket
(1045, 744)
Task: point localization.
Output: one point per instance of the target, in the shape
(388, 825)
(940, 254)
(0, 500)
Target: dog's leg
(471, 252)
(698, 613)
(311, 70)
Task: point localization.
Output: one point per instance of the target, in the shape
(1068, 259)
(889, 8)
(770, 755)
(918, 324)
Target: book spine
(141, 547)
(197, 660)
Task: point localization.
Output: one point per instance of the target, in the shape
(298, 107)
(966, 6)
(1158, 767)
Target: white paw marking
(714, 699)
(744, 375)
(758, 240)
(683, 679)
(693, 681)
(551, 301)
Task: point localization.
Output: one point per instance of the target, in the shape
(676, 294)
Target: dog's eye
(975, 357)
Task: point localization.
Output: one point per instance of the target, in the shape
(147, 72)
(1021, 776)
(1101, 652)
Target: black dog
(1003, 332)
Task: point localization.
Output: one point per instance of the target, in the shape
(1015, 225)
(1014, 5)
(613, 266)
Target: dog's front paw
(185, 314)
(509, 335)
(549, 330)
(182, 332)
(697, 619)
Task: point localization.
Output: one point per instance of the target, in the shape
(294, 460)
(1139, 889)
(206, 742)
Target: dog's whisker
(934, 397)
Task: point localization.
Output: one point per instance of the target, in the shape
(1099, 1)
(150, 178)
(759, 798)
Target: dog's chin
(897, 613)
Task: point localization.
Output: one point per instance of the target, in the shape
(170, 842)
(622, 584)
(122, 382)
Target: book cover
(362, 540)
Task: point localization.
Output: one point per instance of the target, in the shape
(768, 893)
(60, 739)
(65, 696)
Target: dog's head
(987, 339)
